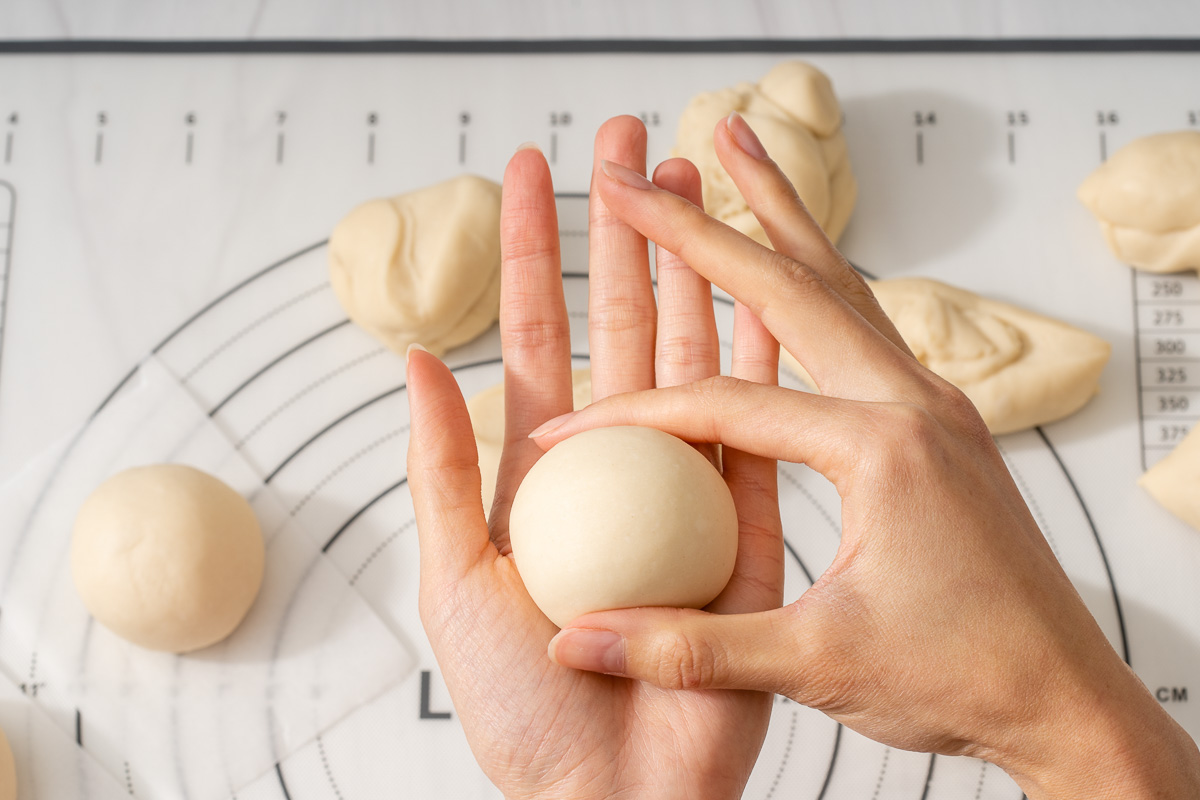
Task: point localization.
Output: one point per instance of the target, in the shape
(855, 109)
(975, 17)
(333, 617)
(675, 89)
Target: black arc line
(361, 511)
(837, 743)
(1099, 545)
(273, 362)
(928, 777)
(282, 783)
(395, 390)
(235, 288)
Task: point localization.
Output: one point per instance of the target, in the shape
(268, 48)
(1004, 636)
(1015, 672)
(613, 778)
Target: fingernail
(591, 650)
(621, 174)
(529, 146)
(414, 346)
(744, 136)
(551, 425)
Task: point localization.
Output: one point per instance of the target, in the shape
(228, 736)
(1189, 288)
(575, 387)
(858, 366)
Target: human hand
(539, 729)
(944, 624)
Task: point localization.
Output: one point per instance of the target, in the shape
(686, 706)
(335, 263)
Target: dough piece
(1175, 481)
(8, 770)
(622, 517)
(423, 266)
(797, 116)
(487, 419)
(1020, 369)
(167, 557)
(1147, 200)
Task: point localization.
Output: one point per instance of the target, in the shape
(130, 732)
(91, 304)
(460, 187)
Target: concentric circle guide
(810, 509)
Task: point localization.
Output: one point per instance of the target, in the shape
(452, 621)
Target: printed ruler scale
(1167, 309)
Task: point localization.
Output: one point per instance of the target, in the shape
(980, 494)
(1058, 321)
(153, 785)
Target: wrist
(1108, 739)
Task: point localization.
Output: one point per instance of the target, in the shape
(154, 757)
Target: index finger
(534, 330)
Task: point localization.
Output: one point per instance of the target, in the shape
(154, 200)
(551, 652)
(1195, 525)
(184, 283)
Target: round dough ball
(167, 557)
(422, 266)
(622, 517)
(8, 770)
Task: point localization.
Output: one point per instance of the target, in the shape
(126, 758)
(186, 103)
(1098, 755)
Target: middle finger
(621, 310)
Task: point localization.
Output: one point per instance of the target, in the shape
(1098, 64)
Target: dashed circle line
(837, 528)
(379, 548)
(787, 751)
(887, 751)
(328, 772)
(1030, 500)
(341, 467)
(298, 395)
(258, 322)
(979, 787)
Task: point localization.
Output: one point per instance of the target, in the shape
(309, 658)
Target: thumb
(443, 472)
(677, 648)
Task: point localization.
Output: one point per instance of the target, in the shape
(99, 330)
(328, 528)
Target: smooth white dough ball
(622, 517)
(167, 557)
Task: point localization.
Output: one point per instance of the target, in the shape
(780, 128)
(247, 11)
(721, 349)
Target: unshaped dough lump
(622, 517)
(487, 420)
(1175, 481)
(798, 118)
(423, 266)
(1020, 369)
(1147, 200)
(167, 556)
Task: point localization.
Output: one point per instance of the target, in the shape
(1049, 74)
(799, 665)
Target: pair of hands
(944, 624)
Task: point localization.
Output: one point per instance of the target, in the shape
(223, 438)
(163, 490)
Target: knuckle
(854, 286)
(684, 662)
(903, 435)
(689, 227)
(793, 274)
(961, 412)
(523, 333)
(714, 398)
(617, 318)
(524, 244)
(681, 353)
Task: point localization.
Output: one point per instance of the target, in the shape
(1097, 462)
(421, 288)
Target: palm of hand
(532, 723)
(534, 726)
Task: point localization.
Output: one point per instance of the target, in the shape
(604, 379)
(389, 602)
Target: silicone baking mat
(167, 208)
